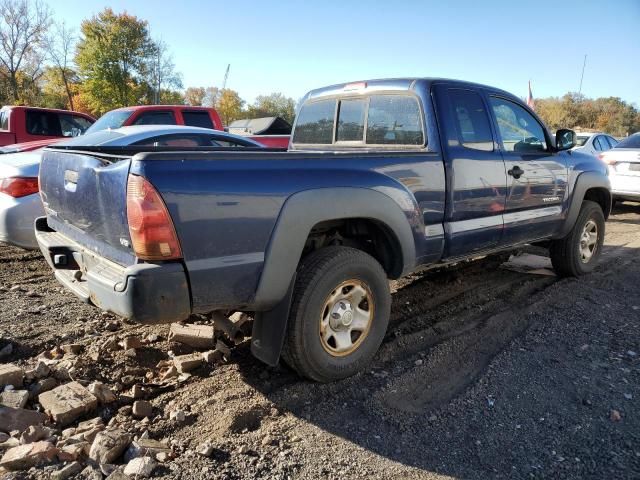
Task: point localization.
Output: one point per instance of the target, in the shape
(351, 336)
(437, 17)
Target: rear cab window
(196, 118)
(381, 120)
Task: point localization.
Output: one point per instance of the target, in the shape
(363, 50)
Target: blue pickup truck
(381, 178)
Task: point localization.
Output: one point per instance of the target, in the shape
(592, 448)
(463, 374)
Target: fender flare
(584, 182)
(305, 209)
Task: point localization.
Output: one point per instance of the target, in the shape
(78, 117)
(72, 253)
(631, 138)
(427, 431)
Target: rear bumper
(146, 292)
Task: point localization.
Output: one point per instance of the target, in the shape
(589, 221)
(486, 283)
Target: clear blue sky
(293, 46)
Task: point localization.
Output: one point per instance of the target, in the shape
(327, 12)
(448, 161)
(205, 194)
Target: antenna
(584, 64)
(226, 76)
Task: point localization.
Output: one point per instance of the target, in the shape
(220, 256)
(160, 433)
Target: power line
(582, 76)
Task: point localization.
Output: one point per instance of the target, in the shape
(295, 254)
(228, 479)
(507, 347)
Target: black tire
(319, 276)
(566, 255)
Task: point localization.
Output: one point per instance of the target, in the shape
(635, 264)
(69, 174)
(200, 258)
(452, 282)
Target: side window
(612, 141)
(73, 125)
(599, 144)
(155, 118)
(4, 120)
(43, 123)
(315, 123)
(394, 120)
(196, 118)
(519, 130)
(351, 121)
(472, 120)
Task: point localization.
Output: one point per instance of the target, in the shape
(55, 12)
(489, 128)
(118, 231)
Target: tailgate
(85, 199)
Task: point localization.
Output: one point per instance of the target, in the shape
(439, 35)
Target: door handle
(516, 172)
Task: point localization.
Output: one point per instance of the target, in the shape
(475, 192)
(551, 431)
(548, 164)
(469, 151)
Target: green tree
(273, 105)
(229, 106)
(113, 57)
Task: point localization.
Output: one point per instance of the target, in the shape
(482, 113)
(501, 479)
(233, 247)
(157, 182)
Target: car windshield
(581, 140)
(630, 142)
(113, 119)
(91, 139)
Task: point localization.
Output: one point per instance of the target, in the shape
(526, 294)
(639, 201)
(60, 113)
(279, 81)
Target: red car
(139, 115)
(40, 125)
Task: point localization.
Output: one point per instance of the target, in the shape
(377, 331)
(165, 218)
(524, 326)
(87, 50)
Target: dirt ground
(484, 373)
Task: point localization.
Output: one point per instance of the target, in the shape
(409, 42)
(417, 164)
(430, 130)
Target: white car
(20, 201)
(624, 168)
(594, 143)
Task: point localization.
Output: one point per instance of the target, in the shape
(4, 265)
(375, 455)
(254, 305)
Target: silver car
(594, 143)
(624, 168)
(20, 201)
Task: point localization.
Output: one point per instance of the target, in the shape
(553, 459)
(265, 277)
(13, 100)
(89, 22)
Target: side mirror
(565, 139)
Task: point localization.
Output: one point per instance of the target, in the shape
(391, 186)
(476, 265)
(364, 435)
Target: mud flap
(269, 329)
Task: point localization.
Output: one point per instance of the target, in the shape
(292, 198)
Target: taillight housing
(19, 186)
(153, 235)
(606, 159)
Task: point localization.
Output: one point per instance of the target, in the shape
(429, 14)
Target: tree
(23, 25)
(113, 58)
(274, 105)
(194, 96)
(162, 71)
(229, 106)
(60, 45)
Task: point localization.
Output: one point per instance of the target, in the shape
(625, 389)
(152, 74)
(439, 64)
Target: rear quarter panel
(224, 207)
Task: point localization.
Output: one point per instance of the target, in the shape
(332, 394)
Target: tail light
(606, 159)
(152, 233)
(19, 186)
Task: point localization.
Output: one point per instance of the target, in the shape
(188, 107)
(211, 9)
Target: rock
(75, 451)
(267, 440)
(9, 443)
(68, 402)
(34, 433)
(146, 447)
(223, 349)
(418, 362)
(141, 467)
(42, 386)
(615, 416)
(177, 415)
(19, 419)
(186, 363)
(118, 474)
(169, 372)
(243, 450)
(153, 337)
(137, 391)
(68, 471)
(142, 408)
(102, 393)
(110, 345)
(73, 348)
(6, 350)
(197, 336)
(14, 398)
(109, 445)
(128, 380)
(41, 370)
(131, 342)
(90, 473)
(205, 449)
(27, 456)
(163, 457)
(11, 374)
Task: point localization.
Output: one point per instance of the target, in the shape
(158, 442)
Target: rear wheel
(339, 314)
(578, 252)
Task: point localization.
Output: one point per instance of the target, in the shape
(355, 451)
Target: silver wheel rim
(346, 318)
(588, 241)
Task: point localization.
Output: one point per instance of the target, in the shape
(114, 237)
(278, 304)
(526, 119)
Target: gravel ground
(484, 373)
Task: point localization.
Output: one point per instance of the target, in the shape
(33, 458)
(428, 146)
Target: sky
(294, 46)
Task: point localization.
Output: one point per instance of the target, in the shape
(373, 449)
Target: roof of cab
(391, 84)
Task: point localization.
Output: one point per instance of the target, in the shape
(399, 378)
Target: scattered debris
(196, 336)
(11, 374)
(29, 455)
(14, 398)
(186, 363)
(67, 471)
(19, 419)
(528, 263)
(142, 408)
(68, 402)
(228, 327)
(141, 467)
(102, 393)
(615, 416)
(109, 445)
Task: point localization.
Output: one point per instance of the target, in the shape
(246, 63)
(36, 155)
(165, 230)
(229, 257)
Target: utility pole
(582, 76)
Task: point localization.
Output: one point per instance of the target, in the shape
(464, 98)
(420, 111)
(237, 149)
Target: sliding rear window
(389, 120)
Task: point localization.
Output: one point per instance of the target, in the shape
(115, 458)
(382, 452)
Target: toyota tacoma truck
(381, 178)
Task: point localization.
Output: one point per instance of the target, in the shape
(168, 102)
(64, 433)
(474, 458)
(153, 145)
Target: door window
(43, 123)
(599, 143)
(520, 132)
(73, 125)
(155, 118)
(472, 121)
(196, 118)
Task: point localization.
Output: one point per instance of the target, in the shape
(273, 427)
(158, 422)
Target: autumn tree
(23, 25)
(273, 105)
(194, 96)
(60, 49)
(113, 58)
(229, 106)
(162, 74)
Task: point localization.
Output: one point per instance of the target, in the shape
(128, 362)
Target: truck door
(536, 175)
(475, 171)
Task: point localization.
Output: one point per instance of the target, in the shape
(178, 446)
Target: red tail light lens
(150, 226)
(19, 186)
(606, 159)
